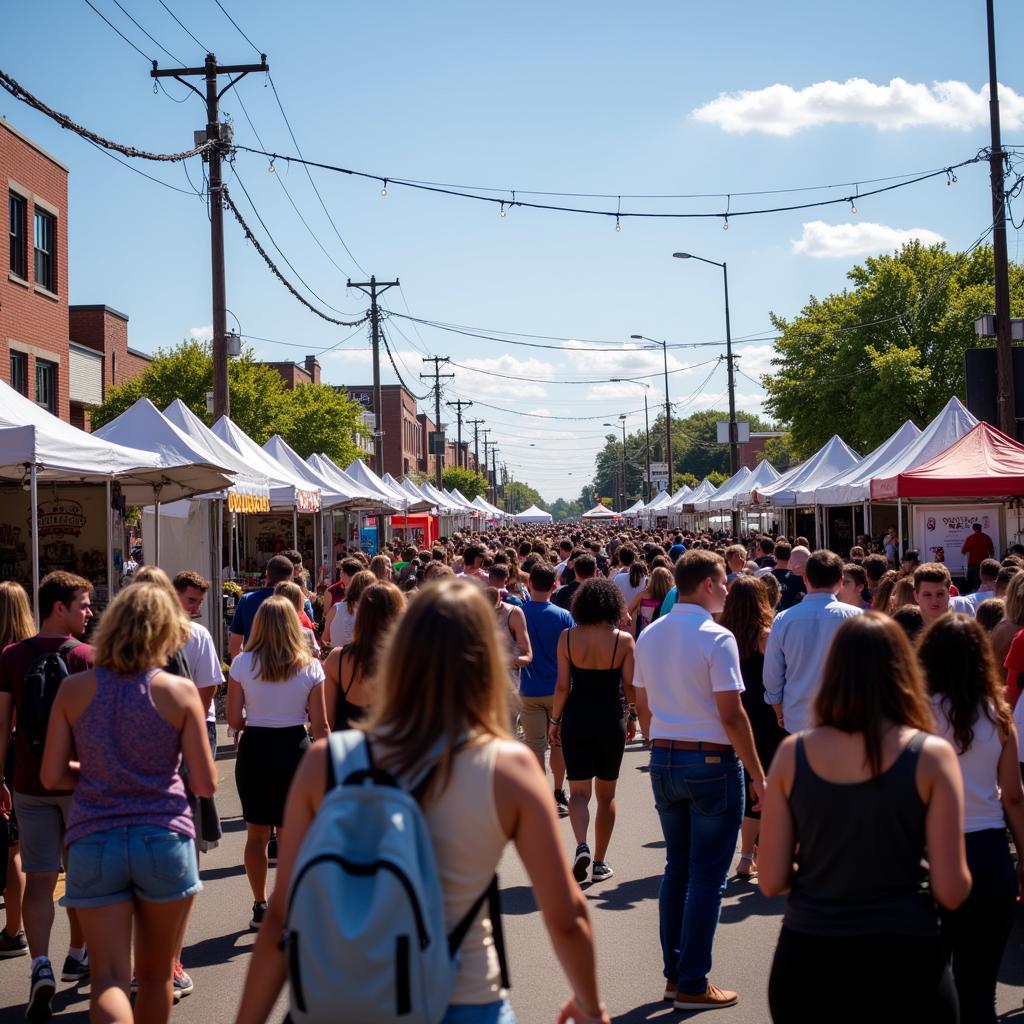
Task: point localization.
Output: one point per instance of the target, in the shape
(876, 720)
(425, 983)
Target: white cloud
(782, 110)
(825, 241)
(201, 333)
(755, 359)
(481, 379)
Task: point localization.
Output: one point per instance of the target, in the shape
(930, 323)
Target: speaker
(980, 367)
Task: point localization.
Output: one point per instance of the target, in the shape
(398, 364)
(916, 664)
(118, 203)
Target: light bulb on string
(501, 213)
(384, 190)
(618, 225)
(271, 168)
(725, 224)
(853, 207)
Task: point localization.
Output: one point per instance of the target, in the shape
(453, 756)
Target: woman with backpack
(440, 727)
(271, 684)
(131, 860)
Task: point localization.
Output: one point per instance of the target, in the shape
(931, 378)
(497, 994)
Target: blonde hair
(16, 621)
(293, 592)
(380, 566)
(276, 642)
(153, 574)
(1015, 600)
(139, 629)
(902, 593)
(442, 674)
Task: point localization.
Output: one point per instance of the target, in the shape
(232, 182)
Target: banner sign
(940, 532)
(368, 540)
(242, 502)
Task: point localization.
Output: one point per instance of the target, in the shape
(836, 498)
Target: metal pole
(221, 398)
(622, 493)
(734, 441)
(1005, 406)
(34, 501)
(110, 545)
(647, 449)
(899, 529)
(668, 417)
(156, 532)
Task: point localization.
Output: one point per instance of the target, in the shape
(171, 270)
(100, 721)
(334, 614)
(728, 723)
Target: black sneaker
(272, 850)
(561, 802)
(259, 908)
(75, 970)
(40, 995)
(12, 945)
(581, 863)
(602, 870)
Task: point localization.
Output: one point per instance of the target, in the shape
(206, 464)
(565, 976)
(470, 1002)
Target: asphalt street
(624, 910)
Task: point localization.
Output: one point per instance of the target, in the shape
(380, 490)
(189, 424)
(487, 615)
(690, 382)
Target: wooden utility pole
(459, 405)
(219, 133)
(437, 377)
(475, 424)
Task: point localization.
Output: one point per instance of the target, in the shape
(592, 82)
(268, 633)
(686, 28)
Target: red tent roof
(984, 463)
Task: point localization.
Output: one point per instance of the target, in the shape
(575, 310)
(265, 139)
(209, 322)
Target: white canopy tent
(460, 499)
(417, 495)
(834, 457)
(695, 501)
(415, 502)
(725, 496)
(489, 510)
(333, 493)
(365, 477)
(659, 505)
(853, 485)
(634, 510)
(601, 512)
(533, 515)
(445, 505)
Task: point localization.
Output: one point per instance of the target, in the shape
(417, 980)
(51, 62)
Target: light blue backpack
(365, 936)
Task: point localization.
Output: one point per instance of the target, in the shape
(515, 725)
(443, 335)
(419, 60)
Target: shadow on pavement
(220, 949)
(517, 900)
(745, 900)
(626, 895)
(659, 1010)
(1011, 971)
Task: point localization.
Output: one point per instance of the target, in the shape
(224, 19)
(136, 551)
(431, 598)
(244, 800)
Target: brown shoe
(713, 998)
(670, 992)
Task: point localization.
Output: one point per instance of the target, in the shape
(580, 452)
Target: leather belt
(692, 745)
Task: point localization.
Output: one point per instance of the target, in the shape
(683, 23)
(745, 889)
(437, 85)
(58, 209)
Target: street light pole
(668, 407)
(622, 420)
(646, 490)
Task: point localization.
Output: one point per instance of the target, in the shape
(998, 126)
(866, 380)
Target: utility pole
(487, 456)
(1006, 411)
(217, 132)
(494, 476)
(475, 424)
(459, 406)
(373, 287)
(437, 376)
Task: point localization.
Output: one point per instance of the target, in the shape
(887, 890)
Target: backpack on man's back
(42, 681)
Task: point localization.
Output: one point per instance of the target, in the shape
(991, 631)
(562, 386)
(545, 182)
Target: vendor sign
(940, 532)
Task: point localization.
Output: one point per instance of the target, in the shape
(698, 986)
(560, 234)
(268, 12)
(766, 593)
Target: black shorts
(593, 750)
(267, 762)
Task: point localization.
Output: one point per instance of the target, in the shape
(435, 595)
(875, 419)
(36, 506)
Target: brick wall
(32, 320)
(106, 330)
(292, 374)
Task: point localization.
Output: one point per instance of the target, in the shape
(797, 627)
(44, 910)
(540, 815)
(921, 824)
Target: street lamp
(668, 406)
(734, 445)
(622, 464)
(647, 430)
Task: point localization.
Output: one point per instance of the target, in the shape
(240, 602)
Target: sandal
(749, 873)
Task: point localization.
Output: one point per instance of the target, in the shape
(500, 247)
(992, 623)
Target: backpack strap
(492, 896)
(347, 751)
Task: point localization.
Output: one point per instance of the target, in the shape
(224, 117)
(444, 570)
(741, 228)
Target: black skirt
(266, 763)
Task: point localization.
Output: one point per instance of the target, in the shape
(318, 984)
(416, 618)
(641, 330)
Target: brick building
(404, 442)
(296, 374)
(63, 357)
(749, 450)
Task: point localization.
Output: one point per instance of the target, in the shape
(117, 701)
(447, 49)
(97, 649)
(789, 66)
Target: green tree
(470, 484)
(566, 508)
(312, 418)
(889, 348)
(779, 452)
(521, 496)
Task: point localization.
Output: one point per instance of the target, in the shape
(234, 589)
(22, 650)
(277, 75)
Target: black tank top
(347, 713)
(595, 694)
(860, 852)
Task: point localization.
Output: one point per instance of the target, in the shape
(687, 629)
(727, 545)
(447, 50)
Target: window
(46, 250)
(16, 216)
(46, 385)
(19, 373)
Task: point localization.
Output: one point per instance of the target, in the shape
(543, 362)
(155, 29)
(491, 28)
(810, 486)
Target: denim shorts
(480, 1013)
(144, 862)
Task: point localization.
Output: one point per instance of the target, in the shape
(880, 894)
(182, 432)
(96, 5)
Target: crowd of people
(843, 731)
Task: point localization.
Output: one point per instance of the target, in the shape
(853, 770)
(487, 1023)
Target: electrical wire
(605, 380)
(132, 167)
(19, 92)
(101, 15)
(205, 49)
(237, 27)
(155, 42)
(618, 213)
(387, 348)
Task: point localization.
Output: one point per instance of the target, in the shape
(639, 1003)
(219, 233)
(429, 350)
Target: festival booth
(740, 498)
(470, 512)
(493, 514)
(633, 512)
(294, 503)
(657, 507)
(386, 501)
(532, 515)
(336, 534)
(720, 506)
(975, 480)
(852, 488)
(448, 510)
(601, 514)
(185, 534)
(415, 525)
(833, 458)
(69, 489)
(694, 503)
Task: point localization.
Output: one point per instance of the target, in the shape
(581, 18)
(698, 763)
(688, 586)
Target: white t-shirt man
(203, 663)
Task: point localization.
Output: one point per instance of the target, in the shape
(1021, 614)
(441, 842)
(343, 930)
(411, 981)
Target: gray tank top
(860, 852)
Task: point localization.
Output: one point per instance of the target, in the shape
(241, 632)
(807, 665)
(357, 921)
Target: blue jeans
(699, 798)
(480, 1013)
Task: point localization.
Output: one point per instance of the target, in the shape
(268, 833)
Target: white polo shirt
(682, 660)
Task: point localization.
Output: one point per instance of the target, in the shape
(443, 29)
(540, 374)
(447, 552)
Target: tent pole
(216, 607)
(110, 545)
(156, 532)
(899, 527)
(295, 527)
(35, 541)
(853, 524)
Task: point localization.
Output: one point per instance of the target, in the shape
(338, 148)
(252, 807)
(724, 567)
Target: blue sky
(573, 97)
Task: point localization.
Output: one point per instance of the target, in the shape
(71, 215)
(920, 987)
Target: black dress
(768, 734)
(593, 721)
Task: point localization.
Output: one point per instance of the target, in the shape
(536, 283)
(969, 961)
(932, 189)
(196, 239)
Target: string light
(618, 226)
(271, 167)
(501, 213)
(384, 190)
(725, 223)
(853, 207)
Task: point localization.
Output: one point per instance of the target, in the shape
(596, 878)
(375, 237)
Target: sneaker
(12, 945)
(176, 993)
(602, 870)
(581, 863)
(713, 998)
(40, 995)
(75, 970)
(183, 984)
(272, 850)
(561, 802)
(259, 908)
(670, 992)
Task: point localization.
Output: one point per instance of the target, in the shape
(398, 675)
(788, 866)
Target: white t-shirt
(621, 580)
(979, 766)
(682, 660)
(203, 663)
(342, 625)
(275, 705)
(1018, 720)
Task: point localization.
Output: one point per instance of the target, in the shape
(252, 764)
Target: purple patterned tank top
(130, 756)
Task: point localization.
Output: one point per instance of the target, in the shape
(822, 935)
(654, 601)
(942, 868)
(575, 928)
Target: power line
(132, 167)
(619, 214)
(205, 49)
(101, 15)
(237, 27)
(155, 42)
(387, 348)
(605, 380)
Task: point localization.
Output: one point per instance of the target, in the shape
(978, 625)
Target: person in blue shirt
(678, 548)
(279, 570)
(545, 623)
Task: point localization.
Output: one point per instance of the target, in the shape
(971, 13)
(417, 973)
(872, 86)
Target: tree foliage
(520, 497)
(779, 452)
(468, 483)
(565, 508)
(889, 348)
(312, 418)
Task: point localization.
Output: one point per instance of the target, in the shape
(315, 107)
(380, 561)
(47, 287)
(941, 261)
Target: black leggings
(881, 979)
(975, 933)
